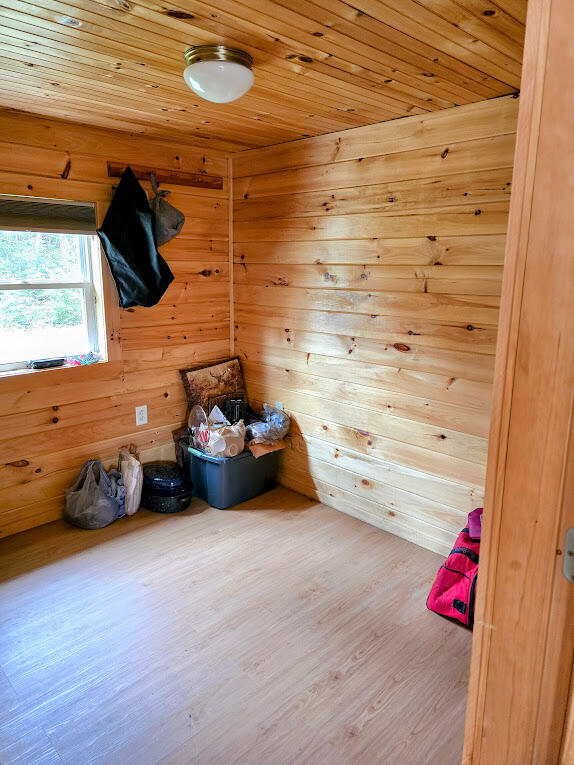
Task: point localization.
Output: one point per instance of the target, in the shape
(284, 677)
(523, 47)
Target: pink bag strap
(475, 523)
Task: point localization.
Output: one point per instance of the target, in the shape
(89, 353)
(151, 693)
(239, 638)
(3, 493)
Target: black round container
(165, 488)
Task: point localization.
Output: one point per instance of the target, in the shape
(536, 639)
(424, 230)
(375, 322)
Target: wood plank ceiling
(319, 66)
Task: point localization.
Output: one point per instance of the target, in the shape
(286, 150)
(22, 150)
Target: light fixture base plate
(217, 53)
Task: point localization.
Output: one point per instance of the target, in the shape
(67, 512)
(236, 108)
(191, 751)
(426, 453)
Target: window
(50, 282)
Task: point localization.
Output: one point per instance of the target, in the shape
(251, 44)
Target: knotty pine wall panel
(367, 277)
(51, 422)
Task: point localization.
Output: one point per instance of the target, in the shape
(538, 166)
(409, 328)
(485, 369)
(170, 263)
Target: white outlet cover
(141, 415)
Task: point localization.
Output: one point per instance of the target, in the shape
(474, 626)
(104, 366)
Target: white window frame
(89, 252)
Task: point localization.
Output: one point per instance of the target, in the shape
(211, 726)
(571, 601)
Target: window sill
(15, 379)
(26, 371)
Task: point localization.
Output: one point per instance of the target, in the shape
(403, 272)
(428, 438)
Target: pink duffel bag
(453, 593)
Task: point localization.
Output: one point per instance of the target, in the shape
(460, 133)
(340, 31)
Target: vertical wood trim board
(367, 279)
(524, 628)
(567, 750)
(53, 421)
(230, 259)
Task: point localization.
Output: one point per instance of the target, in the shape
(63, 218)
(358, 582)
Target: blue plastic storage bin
(226, 481)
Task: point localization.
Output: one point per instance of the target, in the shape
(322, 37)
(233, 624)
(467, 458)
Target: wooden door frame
(524, 627)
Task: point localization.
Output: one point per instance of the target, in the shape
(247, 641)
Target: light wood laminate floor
(279, 632)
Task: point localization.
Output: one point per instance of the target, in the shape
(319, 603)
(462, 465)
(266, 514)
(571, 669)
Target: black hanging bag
(127, 235)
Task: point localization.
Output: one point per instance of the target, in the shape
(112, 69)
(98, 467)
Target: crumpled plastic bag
(214, 434)
(96, 498)
(227, 441)
(216, 417)
(273, 427)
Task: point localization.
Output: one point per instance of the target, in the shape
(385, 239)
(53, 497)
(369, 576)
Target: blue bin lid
(246, 455)
(163, 477)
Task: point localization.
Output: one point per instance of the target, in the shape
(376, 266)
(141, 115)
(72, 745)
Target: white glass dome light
(218, 73)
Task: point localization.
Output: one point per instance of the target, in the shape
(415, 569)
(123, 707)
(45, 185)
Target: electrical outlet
(279, 405)
(141, 415)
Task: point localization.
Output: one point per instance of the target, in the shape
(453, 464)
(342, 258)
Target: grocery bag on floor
(132, 473)
(96, 498)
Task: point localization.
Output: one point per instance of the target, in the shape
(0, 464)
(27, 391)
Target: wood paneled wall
(367, 276)
(52, 421)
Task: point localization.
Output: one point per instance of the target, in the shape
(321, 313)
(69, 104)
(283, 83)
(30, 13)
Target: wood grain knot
(176, 14)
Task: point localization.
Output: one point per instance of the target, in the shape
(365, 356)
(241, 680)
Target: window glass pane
(33, 256)
(36, 324)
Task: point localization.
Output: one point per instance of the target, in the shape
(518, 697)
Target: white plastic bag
(132, 473)
(227, 441)
(216, 417)
(214, 435)
(272, 428)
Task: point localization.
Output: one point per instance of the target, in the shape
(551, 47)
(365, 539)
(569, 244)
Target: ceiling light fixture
(69, 21)
(218, 73)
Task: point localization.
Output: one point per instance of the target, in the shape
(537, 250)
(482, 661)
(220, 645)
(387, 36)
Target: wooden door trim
(541, 741)
(551, 723)
(567, 750)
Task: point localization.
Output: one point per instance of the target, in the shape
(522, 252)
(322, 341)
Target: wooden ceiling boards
(320, 66)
